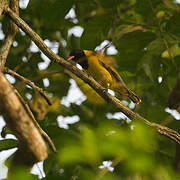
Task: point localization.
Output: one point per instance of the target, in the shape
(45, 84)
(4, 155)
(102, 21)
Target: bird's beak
(70, 58)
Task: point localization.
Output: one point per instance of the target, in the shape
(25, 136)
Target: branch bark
(43, 133)
(27, 81)
(172, 134)
(4, 51)
(4, 4)
(31, 144)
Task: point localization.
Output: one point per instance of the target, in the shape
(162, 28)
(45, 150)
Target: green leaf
(95, 31)
(8, 144)
(172, 52)
(174, 24)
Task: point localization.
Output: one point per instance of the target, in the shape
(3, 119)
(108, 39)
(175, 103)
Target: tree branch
(20, 123)
(42, 76)
(27, 81)
(96, 86)
(4, 4)
(31, 144)
(4, 51)
(43, 133)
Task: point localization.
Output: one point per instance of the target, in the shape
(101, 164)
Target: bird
(94, 64)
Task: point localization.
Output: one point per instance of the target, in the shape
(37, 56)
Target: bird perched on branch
(94, 64)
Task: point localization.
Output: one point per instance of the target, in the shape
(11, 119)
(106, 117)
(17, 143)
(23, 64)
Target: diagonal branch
(173, 135)
(4, 51)
(43, 133)
(30, 140)
(40, 77)
(27, 81)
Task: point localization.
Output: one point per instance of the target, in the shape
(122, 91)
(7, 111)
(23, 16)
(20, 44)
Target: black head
(76, 54)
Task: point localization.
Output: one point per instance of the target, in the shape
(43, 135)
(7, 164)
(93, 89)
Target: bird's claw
(105, 90)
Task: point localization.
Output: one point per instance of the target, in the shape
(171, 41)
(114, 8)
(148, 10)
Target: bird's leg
(105, 90)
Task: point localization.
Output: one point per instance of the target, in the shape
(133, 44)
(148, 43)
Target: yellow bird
(92, 62)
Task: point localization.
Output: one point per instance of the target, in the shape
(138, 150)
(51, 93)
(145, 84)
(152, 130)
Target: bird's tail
(133, 97)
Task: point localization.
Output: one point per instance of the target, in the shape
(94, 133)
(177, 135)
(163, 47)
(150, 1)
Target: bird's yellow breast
(96, 70)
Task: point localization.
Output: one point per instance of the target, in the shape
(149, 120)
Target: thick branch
(17, 119)
(27, 81)
(99, 89)
(4, 51)
(3, 5)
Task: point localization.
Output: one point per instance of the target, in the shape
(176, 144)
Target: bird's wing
(112, 72)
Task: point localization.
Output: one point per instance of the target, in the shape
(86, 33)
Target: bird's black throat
(83, 62)
(79, 57)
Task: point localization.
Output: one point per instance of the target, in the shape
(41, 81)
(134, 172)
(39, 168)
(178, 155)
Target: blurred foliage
(39, 105)
(146, 36)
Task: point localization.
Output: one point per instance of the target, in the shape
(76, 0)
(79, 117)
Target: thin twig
(28, 57)
(42, 132)
(170, 133)
(4, 51)
(27, 81)
(42, 76)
